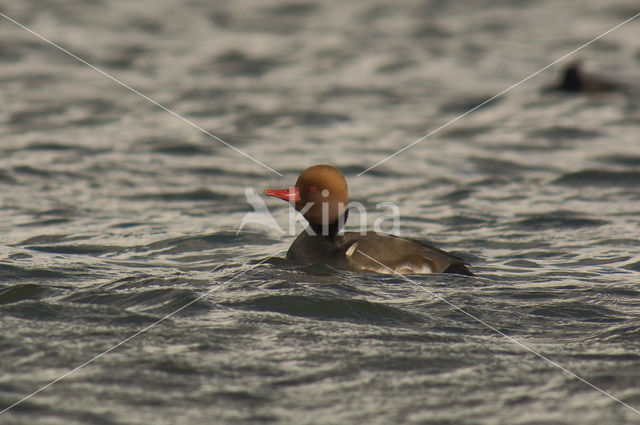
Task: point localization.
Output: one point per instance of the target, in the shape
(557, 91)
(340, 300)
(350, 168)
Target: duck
(574, 80)
(321, 195)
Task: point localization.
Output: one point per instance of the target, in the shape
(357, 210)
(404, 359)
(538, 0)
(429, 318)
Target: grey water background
(115, 213)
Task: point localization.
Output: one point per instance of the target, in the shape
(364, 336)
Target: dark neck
(332, 230)
(572, 80)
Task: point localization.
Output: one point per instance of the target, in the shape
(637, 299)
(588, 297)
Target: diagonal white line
(511, 339)
(175, 114)
(136, 334)
(499, 94)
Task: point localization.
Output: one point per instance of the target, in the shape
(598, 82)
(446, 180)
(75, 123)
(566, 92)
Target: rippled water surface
(115, 213)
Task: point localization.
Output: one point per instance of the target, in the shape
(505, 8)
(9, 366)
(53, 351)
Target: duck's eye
(313, 189)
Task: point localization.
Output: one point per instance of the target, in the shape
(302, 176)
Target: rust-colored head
(320, 194)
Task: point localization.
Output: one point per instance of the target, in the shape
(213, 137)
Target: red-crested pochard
(321, 195)
(574, 80)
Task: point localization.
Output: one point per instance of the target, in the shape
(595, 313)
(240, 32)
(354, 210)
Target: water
(115, 214)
